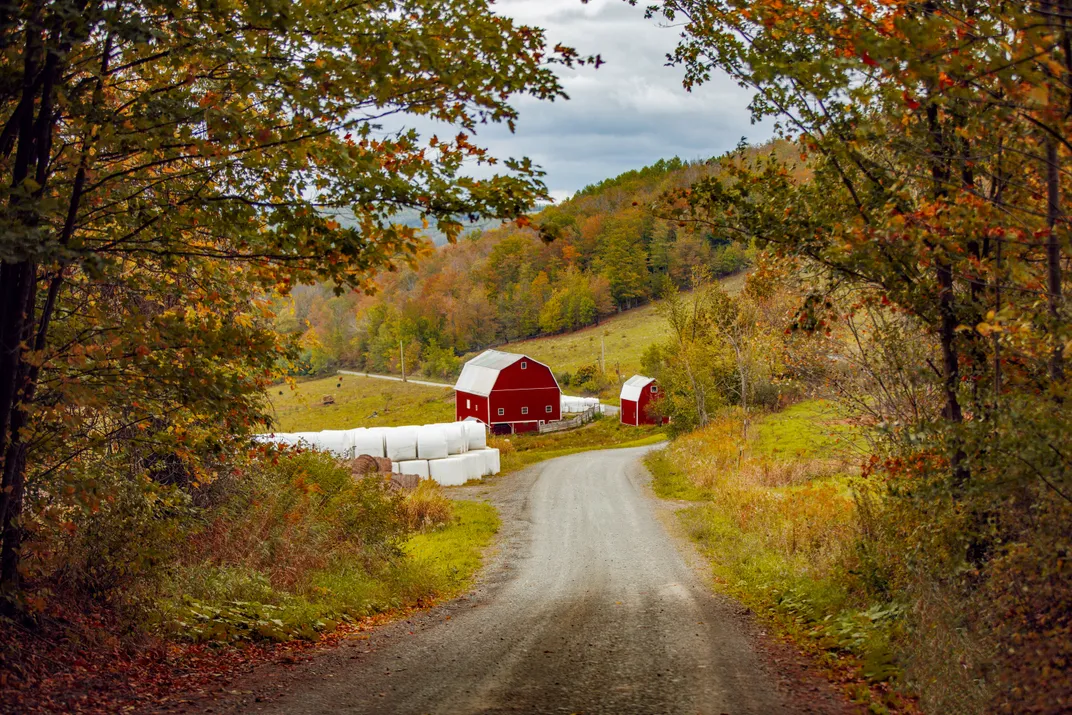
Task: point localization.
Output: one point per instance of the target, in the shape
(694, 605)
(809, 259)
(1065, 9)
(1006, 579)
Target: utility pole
(402, 354)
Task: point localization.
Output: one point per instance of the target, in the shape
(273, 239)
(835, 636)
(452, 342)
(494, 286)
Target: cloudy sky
(630, 112)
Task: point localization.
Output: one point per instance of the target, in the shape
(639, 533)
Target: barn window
(501, 412)
(654, 388)
(524, 410)
(467, 405)
(547, 408)
(524, 365)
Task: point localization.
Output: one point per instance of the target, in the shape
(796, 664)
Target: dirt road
(588, 606)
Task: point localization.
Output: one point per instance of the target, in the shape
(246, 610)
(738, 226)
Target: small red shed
(509, 393)
(638, 393)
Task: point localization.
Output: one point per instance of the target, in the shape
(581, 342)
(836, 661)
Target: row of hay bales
(450, 453)
(572, 404)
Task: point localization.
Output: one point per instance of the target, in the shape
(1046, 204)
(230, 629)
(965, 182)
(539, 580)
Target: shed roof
(634, 386)
(479, 374)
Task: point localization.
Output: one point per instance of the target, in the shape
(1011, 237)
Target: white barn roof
(479, 374)
(634, 386)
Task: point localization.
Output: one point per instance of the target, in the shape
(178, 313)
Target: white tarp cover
(634, 386)
(476, 434)
(479, 374)
(337, 441)
(285, 438)
(309, 440)
(474, 464)
(432, 442)
(457, 440)
(449, 472)
(491, 460)
(368, 441)
(413, 466)
(401, 443)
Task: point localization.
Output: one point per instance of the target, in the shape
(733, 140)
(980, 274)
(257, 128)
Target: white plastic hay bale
(474, 465)
(395, 467)
(401, 443)
(308, 440)
(431, 442)
(339, 442)
(414, 466)
(367, 441)
(457, 440)
(476, 434)
(491, 461)
(449, 472)
(279, 438)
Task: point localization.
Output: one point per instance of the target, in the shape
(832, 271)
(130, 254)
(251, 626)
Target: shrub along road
(587, 606)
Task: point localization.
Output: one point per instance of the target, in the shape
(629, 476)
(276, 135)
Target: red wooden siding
(647, 396)
(636, 412)
(466, 405)
(522, 384)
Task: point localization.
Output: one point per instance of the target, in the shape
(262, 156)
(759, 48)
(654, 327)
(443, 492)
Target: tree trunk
(1053, 258)
(19, 322)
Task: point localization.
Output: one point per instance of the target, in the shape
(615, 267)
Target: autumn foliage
(926, 214)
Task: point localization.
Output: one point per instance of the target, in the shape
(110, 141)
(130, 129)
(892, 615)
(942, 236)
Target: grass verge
(775, 517)
(304, 546)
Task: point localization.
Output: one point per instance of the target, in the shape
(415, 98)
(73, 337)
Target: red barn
(638, 393)
(510, 393)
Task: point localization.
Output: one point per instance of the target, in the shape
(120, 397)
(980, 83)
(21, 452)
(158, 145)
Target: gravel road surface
(587, 606)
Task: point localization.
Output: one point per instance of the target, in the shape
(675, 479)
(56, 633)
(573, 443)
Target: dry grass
(777, 519)
(426, 507)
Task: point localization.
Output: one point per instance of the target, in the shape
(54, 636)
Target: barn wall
(478, 406)
(536, 399)
(629, 412)
(646, 398)
(535, 375)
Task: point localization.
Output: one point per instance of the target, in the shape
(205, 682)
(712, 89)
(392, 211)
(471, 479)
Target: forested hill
(597, 253)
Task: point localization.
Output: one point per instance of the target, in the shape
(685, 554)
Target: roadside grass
(625, 336)
(519, 451)
(448, 558)
(359, 402)
(777, 520)
(304, 547)
(810, 429)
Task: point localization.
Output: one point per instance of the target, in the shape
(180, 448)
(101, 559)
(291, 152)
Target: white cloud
(630, 112)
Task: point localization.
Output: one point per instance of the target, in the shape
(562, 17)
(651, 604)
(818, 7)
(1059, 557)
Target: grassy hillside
(359, 402)
(626, 336)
